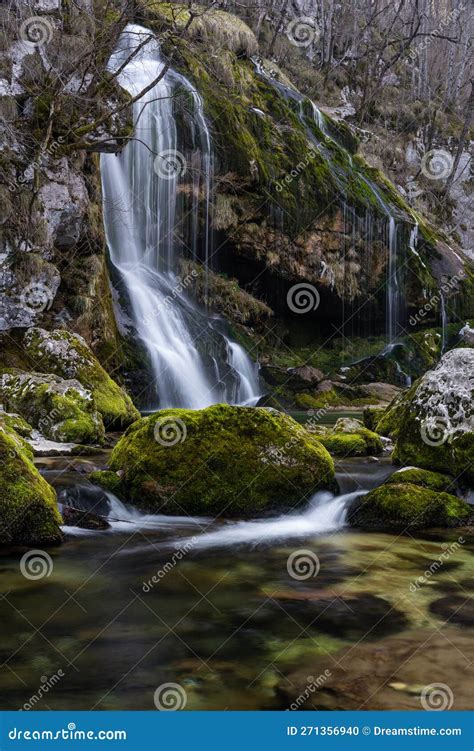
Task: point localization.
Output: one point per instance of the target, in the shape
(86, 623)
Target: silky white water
(146, 222)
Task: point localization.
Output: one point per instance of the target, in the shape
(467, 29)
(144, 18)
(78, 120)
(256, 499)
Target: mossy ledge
(232, 461)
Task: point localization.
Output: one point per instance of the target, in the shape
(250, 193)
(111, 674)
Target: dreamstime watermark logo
(170, 164)
(296, 171)
(170, 697)
(435, 300)
(437, 164)
(37, 297)
(36, 564)
(313, 685)
(426, 41)
(47, 683)
(434, 567)
(303, 31)
(302, 298)
(169, 431)
(166, 302)
(437, 697)
(36, 31)
(303, 564)
(434, 430)
(177, 556)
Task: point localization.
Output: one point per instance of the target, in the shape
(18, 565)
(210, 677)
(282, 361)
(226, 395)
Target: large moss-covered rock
(28, 508)
(68, 355)
(434, 420)
(220, 460)
(405, 506)
(60, 409)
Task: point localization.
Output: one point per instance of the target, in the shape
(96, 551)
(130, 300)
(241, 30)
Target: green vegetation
(68, 356)
(28, 509)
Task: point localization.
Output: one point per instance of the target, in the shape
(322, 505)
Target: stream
(215, 607)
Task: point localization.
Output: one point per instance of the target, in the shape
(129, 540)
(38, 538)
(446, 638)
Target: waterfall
(147, 231)
(444, 321)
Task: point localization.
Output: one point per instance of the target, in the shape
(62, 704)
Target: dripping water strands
(390, 232)
(444, 321)
(152, 223)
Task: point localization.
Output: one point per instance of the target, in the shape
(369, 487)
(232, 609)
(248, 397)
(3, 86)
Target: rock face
(220, 460)
(68, 356)
(434, 421)
(62, 410)
(28, 509)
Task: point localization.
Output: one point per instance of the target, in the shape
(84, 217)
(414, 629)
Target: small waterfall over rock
(155, 214)
(378, 221)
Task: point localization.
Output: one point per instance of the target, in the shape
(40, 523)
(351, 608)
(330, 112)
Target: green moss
(68, 356)
(406, 507)
(344, 444)
(361, 443)
(317, 400)
(424, 478)
(372, 416)
(223, 460)
(106, 479)
(59, 409)
(15, 423)
(28, 508)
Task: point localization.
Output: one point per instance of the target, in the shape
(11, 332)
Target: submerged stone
(455, 609)
(220, 460)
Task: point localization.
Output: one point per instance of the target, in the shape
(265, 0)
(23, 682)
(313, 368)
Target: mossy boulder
(422, 477)
(61, 410)
(405, 507)
(234, 461)
(28, 510)
(69, 356)
(349, 437)
(433, 422)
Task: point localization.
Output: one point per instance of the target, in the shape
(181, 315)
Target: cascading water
(306, 109)
(145, 228)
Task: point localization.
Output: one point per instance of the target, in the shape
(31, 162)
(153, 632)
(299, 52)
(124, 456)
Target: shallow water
(122, 612)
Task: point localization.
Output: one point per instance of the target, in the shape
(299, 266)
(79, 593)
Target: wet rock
(73, 517)
(345, 616)
(390, 674)
(304, 377)
(381, 392)
(457, 608)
